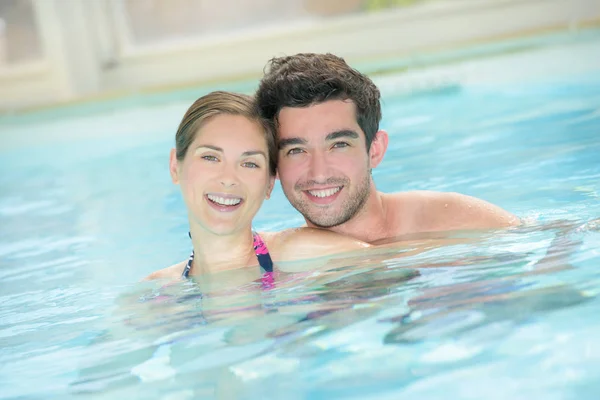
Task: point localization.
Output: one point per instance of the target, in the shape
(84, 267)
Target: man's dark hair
(306, 79)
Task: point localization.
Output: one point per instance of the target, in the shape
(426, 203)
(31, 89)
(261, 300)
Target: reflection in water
(232, 340)
(477, 305)
(500, 313)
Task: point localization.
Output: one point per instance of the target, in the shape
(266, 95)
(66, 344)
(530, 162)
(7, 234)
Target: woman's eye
(295, 150)
(210, 158)
(250, 164)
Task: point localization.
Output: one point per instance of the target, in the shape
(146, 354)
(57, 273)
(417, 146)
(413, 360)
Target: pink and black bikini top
(264, 258)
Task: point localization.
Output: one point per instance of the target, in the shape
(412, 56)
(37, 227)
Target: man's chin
(324, 222)
(318, 215)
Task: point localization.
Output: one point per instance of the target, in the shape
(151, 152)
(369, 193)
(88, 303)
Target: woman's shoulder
(172, 272)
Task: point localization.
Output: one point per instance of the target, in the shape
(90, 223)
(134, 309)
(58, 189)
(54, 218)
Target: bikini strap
(188, 266)
(262, 253)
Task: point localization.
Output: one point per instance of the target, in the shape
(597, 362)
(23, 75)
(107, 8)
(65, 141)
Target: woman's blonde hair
(218, 103)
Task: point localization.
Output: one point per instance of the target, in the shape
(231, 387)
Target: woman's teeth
(223, 201)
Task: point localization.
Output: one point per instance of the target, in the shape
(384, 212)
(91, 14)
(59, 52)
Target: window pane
(154, 21)
(19, 38)
(159, 20)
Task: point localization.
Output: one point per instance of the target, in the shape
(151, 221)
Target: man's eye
(250, 164)
(210, 158)
(339, 145)
(295, 150)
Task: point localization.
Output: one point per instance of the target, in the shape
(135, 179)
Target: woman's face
(224, 176)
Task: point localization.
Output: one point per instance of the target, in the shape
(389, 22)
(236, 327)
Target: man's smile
(324, 192)
(323, 195)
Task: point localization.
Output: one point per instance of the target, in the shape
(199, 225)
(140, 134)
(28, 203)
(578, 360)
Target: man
(327, 117)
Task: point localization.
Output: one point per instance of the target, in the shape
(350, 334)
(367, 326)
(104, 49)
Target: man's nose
(318, 167)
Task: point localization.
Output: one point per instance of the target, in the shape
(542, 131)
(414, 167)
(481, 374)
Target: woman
(225, 164)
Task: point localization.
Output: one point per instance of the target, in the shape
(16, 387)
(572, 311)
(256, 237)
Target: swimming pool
(87, 209)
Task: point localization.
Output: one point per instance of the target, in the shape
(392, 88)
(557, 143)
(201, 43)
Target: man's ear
(174, 166)
(378, 148)
(270, 187)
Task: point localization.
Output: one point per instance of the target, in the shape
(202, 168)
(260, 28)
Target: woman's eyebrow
(244, 154)
(209, 146)
(253, 153)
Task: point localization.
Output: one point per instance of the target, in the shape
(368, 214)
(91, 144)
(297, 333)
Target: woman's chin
(225, 228)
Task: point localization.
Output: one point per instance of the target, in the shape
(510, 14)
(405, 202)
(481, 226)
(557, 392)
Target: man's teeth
(223, 201)
(324, 192)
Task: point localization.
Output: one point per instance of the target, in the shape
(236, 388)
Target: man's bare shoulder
(172, 272)
(402, 198)
(304, 243)
(435, 211)
(416, 195)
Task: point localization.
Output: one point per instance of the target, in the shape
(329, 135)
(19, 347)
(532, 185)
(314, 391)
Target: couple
(314, 122)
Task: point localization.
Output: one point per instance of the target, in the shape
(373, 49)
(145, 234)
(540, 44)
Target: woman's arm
(172, 272)
(309, 243)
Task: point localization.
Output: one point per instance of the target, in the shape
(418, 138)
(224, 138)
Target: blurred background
(57, 51)
(498, 99)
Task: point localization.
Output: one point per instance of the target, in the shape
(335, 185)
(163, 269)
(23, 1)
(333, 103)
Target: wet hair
(220, 103)
(307, 79)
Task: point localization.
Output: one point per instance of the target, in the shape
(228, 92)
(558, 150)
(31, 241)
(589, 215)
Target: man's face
(324, 166)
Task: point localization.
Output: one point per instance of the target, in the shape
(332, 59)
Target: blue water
(87, 209)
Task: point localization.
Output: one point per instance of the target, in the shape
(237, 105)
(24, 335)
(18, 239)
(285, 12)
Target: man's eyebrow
(344, 133)
(291, 142)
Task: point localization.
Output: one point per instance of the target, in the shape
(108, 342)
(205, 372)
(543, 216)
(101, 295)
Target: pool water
(87, 209)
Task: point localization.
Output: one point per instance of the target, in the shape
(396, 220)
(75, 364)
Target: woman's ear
(174, 166)
(378, 148)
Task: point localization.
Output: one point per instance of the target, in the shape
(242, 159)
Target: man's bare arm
(455, 211)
